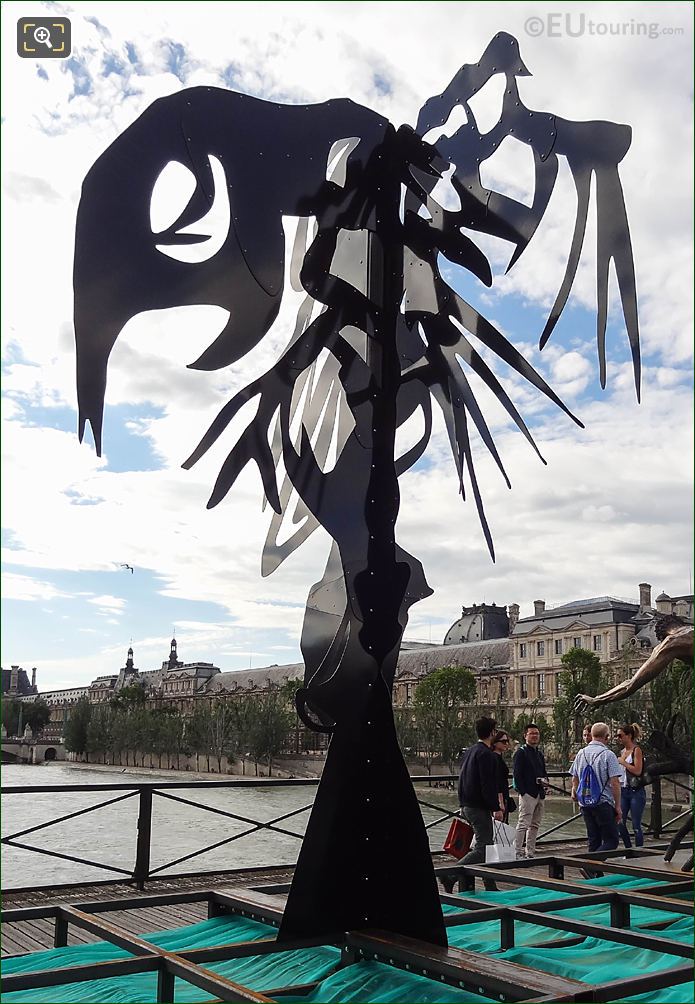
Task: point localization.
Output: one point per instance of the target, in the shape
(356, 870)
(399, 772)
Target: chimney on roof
(645, 595)
(538, 607)
(513, 609)
(14, 679)
(33, 677)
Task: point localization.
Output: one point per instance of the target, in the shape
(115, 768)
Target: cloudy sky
(611, 509)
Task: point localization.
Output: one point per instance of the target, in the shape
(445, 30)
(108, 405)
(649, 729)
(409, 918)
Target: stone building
(481, 622)
(619, 632)
(61, 703)
(515, 660)
(488, 661)
(15, 682)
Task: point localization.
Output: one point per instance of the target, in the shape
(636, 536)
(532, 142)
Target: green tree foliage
(535, 716)
(406, 730)
(272, 723)
(581, 674)
(132, 696)
(257, 724)
(10, 715)
(36, 714)
(671, 698)
(76, 727)
(220, 726)
(439, 698)
(99, 731)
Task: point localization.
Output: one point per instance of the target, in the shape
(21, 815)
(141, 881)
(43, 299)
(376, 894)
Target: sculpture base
(365, 860)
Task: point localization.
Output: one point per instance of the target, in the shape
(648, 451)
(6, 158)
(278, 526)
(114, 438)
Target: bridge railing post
(141, 872)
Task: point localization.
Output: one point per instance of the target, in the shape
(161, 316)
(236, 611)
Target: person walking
(500, 745)
(596, 787)
(633, 795)
(479, 795)
(530, 780)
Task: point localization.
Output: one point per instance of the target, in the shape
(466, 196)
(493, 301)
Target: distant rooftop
(593, 601)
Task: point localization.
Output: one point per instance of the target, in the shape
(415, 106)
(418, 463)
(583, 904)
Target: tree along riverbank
(199, 765)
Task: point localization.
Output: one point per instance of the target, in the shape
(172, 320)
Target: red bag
(459, 838)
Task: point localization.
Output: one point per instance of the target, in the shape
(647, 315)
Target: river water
(108, 835)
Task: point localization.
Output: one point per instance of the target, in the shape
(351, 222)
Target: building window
(522, 650)
(576, 643)
(558, 646)
(523, 683)
(503, 688)
(597, 643)
(541, 684)
(540, 648)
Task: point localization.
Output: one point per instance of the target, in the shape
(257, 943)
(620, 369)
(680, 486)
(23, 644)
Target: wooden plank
(211, 982)
(168, 917)
(17, 944)
(622, 868)
(41, 936)
(624, 936)
(80, 974)
(107, 931)
(271, 901)
(247, 900)
(462, 968)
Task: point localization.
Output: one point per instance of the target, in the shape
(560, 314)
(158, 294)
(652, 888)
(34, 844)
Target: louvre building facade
(515, 660)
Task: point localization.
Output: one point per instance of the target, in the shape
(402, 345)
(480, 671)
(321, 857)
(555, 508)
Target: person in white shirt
(602, 819)
(633, 795)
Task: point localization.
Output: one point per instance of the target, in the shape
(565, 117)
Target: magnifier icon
(43, 36)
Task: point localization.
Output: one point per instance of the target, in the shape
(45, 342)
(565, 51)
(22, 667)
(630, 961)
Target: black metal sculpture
(379, 333)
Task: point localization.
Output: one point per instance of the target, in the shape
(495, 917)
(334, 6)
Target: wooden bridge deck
(37, 935)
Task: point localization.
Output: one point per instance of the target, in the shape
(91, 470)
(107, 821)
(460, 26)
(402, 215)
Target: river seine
(108, 835)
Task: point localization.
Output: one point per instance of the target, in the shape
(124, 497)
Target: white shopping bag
(503, 848)
(498, 852)
(503, 833)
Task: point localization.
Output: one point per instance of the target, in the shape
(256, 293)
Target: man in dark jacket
(480, 797)
(529, 774)
(479, 789)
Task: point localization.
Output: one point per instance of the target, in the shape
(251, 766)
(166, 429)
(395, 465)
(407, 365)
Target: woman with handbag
(633, 795)
(500, 744)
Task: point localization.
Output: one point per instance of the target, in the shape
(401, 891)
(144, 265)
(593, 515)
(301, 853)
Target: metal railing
(146, 793)
(142, 870)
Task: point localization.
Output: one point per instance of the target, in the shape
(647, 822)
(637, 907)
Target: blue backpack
(589, 790)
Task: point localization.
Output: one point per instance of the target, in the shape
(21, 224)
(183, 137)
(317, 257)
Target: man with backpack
(596, 788)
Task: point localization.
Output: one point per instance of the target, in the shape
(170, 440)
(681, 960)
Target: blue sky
(611, 509)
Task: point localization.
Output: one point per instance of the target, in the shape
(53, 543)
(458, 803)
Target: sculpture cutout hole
(171, 193)
(444, 193)
(213, 226)
(409, 433)
(511, 160)
(456, 120)
(338, 155)
(486, 105)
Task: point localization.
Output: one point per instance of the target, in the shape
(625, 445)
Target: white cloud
(610, 510)
(22, 587)
(108, 604)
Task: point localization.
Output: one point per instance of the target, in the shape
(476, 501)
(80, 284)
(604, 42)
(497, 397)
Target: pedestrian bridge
(31, 751)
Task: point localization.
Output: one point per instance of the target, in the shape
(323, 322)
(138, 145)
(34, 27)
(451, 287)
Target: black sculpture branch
(378, 335)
